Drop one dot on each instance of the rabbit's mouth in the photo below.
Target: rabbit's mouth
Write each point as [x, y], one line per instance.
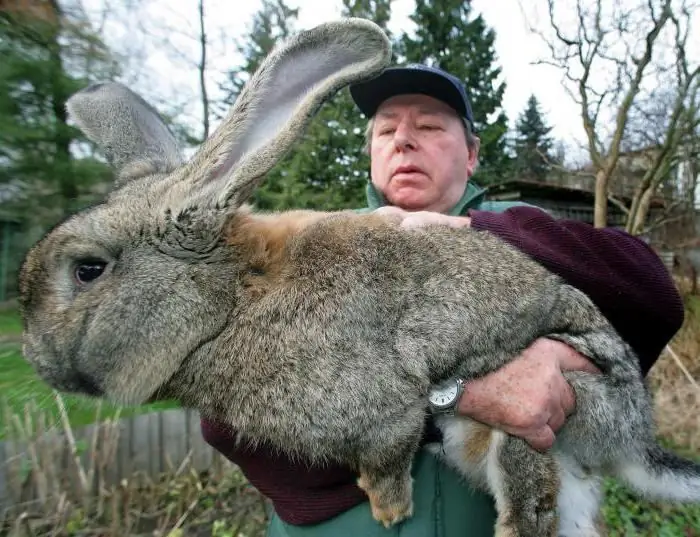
[85, 385]
[68, 381]
[62, 376]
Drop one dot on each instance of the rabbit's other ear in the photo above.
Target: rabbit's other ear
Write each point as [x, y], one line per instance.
[279, 101]
[128, 130]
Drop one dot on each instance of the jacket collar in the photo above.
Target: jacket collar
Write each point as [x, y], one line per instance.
[473, 197]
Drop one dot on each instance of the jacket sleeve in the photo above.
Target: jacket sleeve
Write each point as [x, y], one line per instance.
[619, 272]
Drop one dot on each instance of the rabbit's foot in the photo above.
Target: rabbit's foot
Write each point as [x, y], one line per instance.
[390, 496]
[532, 525]
[505, 528]
[525, 485]
[522, 516]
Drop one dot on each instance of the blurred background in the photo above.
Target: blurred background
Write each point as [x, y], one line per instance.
[590, 109]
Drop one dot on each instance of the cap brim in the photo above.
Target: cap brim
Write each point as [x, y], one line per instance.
[368, 95]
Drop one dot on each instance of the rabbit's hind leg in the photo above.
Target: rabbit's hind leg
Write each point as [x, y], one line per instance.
[525, 485]
[385, 468]
[579, 501]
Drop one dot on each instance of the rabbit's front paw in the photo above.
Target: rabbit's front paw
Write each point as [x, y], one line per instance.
[390, 497]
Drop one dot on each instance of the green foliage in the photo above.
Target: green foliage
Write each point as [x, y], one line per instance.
[10, 323]
[533, 145]
[626, 515]
[47, 167]
[449, 36]
[44, 62]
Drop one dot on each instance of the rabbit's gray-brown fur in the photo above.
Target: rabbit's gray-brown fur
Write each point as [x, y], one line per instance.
[322, 333]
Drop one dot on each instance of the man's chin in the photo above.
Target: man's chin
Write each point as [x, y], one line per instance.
[410, 199]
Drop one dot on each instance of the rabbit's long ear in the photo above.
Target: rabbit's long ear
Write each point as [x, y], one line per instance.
[279, 101]
[128, 130]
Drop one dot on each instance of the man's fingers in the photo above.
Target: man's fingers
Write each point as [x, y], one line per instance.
[391, 213]
[568, 399]
[541, 440]
[571, 360]
[557, 420]
[413, 221]
[389, 209]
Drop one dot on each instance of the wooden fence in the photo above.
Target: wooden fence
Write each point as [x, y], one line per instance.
[102, 455]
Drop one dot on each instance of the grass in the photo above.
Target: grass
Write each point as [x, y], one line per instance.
[625, 515]
[19, 386]
[10, 323]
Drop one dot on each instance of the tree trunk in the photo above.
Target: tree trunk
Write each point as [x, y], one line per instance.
[600, 213]
[636, 219]
[202, 68]
[62, 137]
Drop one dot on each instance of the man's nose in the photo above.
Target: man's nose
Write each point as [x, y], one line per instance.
[404, 139]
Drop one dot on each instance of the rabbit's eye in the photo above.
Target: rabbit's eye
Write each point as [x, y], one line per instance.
[89, 271]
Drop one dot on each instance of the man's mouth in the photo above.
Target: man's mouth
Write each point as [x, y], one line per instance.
[407, 169]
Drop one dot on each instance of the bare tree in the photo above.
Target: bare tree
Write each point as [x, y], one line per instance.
[612, 54]
[680, 125]
[187, 43]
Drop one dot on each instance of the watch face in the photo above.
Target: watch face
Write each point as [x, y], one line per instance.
[444, 396]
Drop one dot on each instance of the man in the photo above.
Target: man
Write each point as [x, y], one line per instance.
[423, 151]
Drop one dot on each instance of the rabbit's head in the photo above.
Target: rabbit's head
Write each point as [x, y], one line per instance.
[114, 298]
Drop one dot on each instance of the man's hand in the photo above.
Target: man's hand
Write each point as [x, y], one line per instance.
[529, 397]
[422, 218]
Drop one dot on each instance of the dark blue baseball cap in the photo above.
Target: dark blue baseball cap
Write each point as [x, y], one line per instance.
[412, 78]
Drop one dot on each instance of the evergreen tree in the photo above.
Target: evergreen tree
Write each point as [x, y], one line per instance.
[449, 37]
[48, 54]
[533, 146]
[47, 169]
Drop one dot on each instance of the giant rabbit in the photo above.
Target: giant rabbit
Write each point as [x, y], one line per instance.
[322, 333]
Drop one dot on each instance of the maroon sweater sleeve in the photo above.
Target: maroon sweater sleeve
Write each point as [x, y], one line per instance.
[619, 272]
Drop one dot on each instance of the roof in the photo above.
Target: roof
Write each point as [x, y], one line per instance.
[524, 188]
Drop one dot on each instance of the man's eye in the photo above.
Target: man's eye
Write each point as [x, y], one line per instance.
[429, 127]
[383, 132]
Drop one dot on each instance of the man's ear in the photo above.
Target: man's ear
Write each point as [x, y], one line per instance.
[473, 146]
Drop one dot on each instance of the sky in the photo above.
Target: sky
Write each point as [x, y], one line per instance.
[164, 71]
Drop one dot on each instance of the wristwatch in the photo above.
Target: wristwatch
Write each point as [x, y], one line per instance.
[443, 399]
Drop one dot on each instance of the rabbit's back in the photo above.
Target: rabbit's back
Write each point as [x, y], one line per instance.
[451, 291]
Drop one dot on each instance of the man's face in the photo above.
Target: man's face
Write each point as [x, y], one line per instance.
[419, 156]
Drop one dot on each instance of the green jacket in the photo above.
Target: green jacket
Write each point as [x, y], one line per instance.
[444, 505]
[474, 197]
